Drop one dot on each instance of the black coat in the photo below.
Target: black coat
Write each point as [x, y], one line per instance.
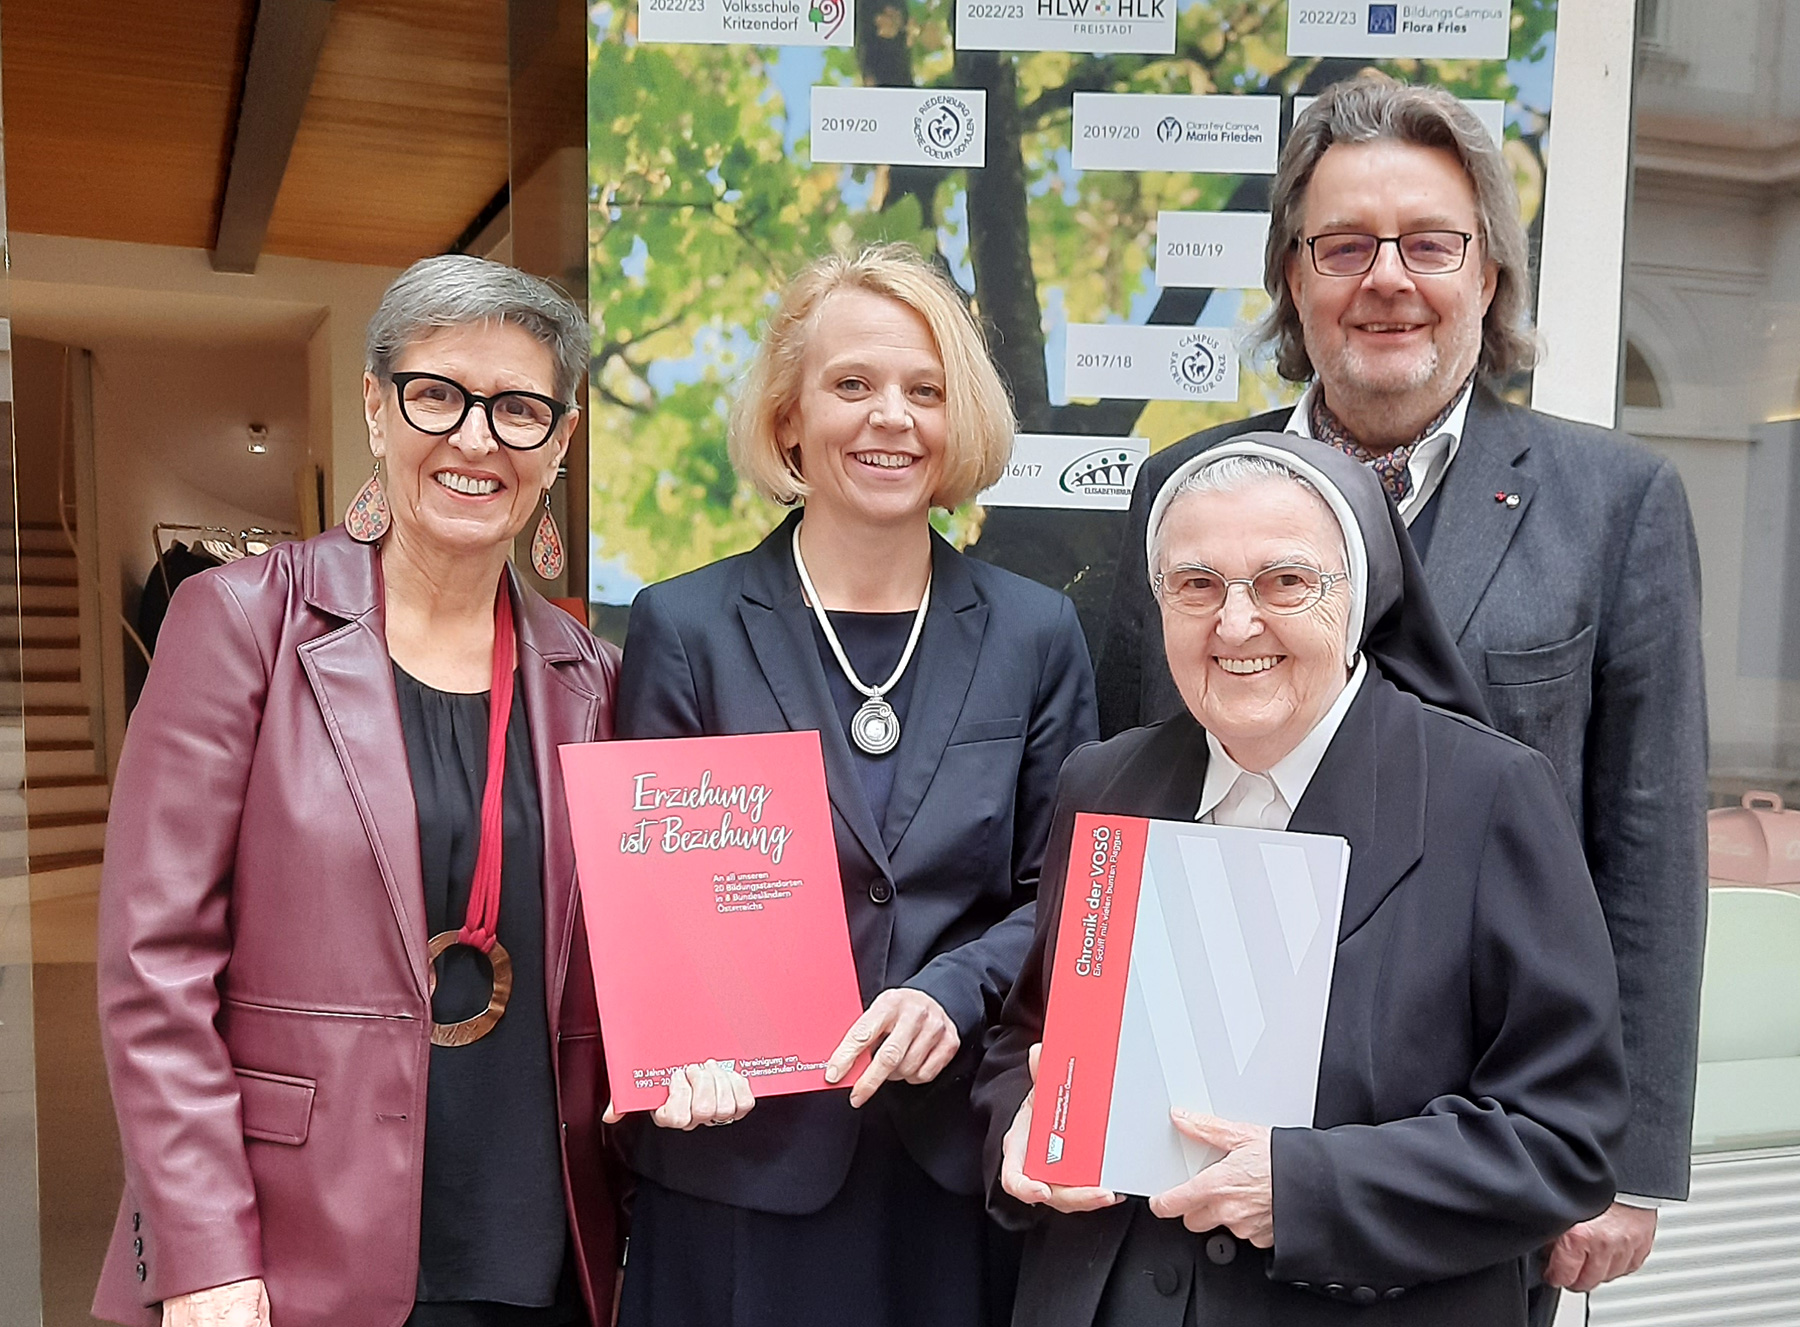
[1577, 610]
[940, 897]
[1474, 1018]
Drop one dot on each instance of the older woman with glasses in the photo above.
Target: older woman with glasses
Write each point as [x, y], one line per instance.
[345, 996]
[1472, 1076]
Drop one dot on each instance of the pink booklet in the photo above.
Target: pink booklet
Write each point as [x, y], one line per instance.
[714, 913]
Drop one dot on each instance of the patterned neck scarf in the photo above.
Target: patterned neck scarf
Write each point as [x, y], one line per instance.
[1390, 467]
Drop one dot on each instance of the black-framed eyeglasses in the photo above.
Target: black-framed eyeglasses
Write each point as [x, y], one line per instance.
[434, 404]
[1422, 252]
[1292, 587]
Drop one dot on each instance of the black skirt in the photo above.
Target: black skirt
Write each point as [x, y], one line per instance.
[892, 1249]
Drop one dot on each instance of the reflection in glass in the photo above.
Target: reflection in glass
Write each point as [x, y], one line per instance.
[1713, 339]
[20, 1296]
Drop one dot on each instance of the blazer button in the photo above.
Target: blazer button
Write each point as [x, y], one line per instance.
[1168, 1279]
[1364, 1295]
[1334, 1289]
[1393, 1292]
[881, 891]
[137, 1247]
[141, 1273]
[137, 1220]
[1220, 1249]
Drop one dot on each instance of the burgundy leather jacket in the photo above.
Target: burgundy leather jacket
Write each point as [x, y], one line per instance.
[262, 968]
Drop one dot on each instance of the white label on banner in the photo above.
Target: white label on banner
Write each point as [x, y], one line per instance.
[899, 126]
[1146, 27]
[1491, 113]
[748, 22]
[1069, 470]
[1223, 250]
[1132, 363]
[1409, 29]
[1152, 131]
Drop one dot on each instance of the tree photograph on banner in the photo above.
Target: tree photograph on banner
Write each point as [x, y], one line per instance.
[709, 186]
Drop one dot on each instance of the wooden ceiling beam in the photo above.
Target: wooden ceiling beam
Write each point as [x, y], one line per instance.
[278, 77]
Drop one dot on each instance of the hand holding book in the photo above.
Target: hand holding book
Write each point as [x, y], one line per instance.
[915, 1036]
[710, 1093]
[1062, 1198]
[1237, 1191]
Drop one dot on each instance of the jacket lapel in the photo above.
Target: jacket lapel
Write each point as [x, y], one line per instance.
[353, 681]
[1474, 527]
[779, 624]
[1370, 789]
[949, 648]
[1165, 781]
[558, 709]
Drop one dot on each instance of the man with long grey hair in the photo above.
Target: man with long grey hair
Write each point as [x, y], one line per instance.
[1560, 556]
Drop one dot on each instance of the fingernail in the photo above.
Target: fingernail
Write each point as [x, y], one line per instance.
[832, 1075]
[1181, 1113]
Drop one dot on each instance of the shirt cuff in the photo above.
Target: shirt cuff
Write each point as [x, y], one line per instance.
[1638, 1200]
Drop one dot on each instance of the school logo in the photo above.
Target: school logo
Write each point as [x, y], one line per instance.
[1198, 365]
[1106, 473]
[944, 127]
[826, 17]
[1384, 20]
[1168, 129]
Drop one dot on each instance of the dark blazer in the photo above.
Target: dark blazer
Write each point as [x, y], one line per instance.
[1578, 613]
[262, 974]
[940, 895]
[1473, 1017]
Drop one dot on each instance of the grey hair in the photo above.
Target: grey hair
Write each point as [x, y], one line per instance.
[455, 289]
[1372, 108]
[1229, 474]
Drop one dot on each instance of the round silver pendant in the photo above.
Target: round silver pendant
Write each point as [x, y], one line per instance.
[876, 728]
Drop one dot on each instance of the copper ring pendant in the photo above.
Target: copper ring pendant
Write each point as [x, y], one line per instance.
[470, 1029]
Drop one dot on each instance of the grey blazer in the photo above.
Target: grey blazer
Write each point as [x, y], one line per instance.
[1578, 612]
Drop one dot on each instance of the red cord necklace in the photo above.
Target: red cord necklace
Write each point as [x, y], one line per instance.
[481, 924]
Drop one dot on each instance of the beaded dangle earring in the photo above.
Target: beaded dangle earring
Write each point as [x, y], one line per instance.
[367, 518]
[547, 545]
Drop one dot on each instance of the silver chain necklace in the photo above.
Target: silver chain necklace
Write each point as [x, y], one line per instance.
[875, 727]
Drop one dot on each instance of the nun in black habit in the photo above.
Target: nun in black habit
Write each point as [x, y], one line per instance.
[1472, 1076]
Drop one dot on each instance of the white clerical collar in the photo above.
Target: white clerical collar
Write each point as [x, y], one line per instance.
[1294, 771]
[1430, 459]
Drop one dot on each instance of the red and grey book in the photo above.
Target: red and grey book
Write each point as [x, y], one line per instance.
[714, 911]
[1193, 968]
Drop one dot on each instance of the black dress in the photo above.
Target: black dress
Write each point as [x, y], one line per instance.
[494, 1249]
[893, 1248]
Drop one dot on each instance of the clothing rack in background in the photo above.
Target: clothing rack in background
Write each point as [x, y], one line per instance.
[206, 546]
[221, 542]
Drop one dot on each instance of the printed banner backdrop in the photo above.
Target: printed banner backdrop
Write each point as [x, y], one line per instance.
[1120, 299]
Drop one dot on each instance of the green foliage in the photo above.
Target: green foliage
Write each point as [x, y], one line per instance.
[698, 212]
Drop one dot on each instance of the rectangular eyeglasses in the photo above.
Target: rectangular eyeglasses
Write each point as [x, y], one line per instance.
[1422, 252]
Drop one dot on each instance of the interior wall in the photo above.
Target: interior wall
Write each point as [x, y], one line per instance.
[39, 423]
[184, 359]
[83, 291]
[171, 439]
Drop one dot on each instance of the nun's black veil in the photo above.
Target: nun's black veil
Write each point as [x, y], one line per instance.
[1399, 629]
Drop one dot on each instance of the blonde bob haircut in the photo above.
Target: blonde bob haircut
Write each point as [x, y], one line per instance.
[979, 413]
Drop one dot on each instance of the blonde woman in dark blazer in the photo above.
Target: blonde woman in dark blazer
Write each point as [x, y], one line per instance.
[871, 401]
